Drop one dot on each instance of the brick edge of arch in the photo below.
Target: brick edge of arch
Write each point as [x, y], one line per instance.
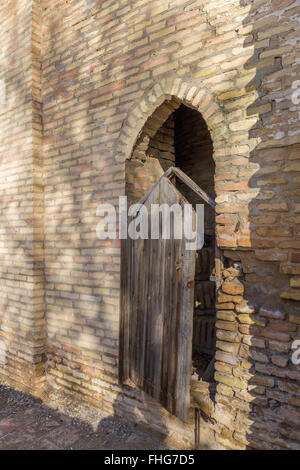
[195, 97]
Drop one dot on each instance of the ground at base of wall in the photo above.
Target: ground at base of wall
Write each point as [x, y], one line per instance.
[27, 423]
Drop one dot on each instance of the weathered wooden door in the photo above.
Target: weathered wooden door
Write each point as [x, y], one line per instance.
[157, 310]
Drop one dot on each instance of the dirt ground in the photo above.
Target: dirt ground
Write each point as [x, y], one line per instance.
[28, 424]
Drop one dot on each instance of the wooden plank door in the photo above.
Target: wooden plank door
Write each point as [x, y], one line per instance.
[157, 284]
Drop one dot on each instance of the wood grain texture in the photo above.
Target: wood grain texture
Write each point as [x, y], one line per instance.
[157, 311]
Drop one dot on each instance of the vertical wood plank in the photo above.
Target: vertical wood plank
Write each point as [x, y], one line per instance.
[157, 311]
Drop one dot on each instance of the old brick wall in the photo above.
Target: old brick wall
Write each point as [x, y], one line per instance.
[152, 155]
[106, 67]
[22, 324]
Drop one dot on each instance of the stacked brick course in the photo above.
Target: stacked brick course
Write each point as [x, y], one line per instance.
[83, 78]
[22, 323]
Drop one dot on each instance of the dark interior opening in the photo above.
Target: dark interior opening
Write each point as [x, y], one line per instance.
[184, 141]
[194, 156]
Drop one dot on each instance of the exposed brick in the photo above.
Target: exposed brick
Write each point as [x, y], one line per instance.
[90, 116]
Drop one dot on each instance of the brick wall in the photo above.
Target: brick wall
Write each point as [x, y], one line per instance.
[22, 332]
[106, 67]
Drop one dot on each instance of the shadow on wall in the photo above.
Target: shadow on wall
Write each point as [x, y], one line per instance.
[261, 411]
[81, 273]
[21, 289]
[257, 395]
[258, 383]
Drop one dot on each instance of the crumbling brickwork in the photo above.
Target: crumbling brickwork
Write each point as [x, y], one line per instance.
[83, 81]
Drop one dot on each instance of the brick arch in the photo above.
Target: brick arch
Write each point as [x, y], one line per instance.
[196, 97]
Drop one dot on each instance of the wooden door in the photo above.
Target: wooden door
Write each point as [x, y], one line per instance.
[157, 284]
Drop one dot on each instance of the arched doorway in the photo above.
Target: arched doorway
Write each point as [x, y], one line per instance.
[194, 156]
[177, 135]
